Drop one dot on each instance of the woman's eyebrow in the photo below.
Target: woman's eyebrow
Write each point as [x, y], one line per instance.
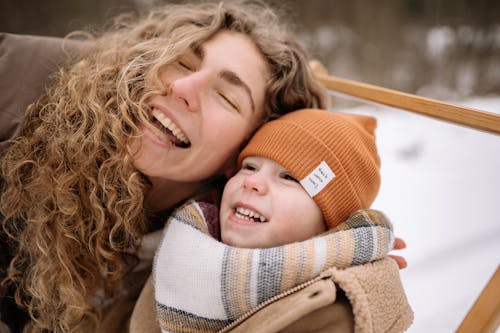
[233, 79]
[198, 51]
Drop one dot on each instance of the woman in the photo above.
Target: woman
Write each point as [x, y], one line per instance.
[150, 114]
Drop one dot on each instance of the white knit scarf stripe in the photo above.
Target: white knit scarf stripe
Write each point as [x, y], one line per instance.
[202, 285]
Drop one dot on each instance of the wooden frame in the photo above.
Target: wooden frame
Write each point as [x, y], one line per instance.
[477, 119]
[484, 316]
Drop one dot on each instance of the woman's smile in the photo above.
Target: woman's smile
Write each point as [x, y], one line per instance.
[167, 130]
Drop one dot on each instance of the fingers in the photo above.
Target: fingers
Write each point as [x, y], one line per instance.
[399, 244]
[400, 261]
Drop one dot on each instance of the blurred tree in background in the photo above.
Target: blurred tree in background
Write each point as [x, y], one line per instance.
[438, 48]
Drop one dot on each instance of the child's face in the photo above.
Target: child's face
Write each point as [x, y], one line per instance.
[263, 205]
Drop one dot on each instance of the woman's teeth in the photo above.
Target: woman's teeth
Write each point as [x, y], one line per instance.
[168, 124]
[249, 215]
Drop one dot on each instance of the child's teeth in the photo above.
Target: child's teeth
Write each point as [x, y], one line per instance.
[248, 214]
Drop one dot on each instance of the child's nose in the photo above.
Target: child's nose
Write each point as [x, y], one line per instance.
[256, 182]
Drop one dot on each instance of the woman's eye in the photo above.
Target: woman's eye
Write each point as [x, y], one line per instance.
[289, 177]
[185, 65]
[228, 101]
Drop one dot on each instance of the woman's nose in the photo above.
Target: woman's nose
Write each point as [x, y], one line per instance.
[256, 182]
[189, 89]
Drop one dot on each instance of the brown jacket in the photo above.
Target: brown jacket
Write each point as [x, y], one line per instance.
[26, 65]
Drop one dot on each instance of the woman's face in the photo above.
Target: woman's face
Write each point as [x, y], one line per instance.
[215, 101]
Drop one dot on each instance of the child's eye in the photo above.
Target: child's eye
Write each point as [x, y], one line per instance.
[289, 177]
[248, 167]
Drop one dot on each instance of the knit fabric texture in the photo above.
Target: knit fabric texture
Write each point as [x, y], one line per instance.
[301, 140]
[202, 285]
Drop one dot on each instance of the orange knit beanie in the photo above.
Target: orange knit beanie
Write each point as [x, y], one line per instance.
[332, 154]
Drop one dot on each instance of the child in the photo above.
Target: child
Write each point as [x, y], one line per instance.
[297, 206]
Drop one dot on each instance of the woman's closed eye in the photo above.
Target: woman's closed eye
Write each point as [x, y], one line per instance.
[228, 101]
[188, 62]
[185, 65]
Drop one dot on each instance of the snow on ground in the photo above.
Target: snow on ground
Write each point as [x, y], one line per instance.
[441, 189]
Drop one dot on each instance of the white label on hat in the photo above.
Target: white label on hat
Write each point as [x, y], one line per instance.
[314, 182]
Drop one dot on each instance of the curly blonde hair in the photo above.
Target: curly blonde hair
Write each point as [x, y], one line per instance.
[71, 200]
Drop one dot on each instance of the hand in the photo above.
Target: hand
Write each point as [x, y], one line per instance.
[399, 244]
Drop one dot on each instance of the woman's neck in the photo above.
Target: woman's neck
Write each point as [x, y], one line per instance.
[165, 194]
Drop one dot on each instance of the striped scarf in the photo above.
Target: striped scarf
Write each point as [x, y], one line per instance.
[202, 285]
